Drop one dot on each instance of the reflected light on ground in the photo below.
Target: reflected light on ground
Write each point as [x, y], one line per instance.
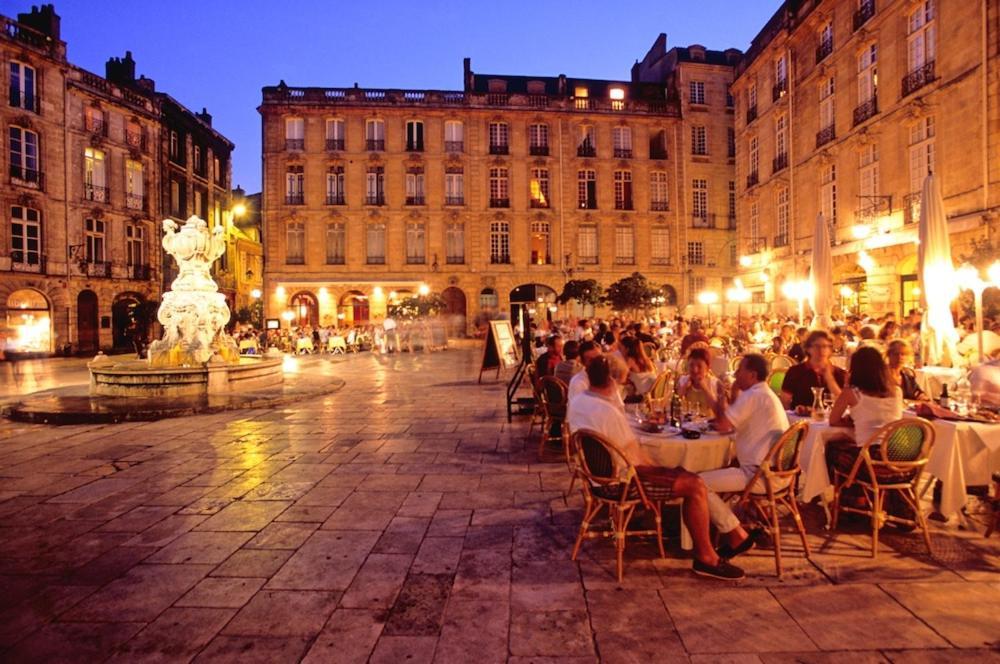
[290, 364]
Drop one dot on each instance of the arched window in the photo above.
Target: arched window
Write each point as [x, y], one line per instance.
[499, 242]
[295, 250]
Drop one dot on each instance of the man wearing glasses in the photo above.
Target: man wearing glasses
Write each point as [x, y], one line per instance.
[815, 371]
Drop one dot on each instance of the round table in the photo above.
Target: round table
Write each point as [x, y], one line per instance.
[931, 379]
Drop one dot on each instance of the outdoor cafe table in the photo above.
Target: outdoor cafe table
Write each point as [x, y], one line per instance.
[248, 345]
[305, 343]
[671, 450]
[964, 454]
[931, 379]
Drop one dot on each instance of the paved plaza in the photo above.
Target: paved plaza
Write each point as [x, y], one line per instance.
[402, 519]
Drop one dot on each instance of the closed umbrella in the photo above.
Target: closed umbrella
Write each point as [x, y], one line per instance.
[937, 280]
[821, 275]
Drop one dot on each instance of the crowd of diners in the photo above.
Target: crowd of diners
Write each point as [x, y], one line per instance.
[386, 336]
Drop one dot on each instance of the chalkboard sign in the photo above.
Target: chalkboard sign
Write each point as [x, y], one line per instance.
[500, 351]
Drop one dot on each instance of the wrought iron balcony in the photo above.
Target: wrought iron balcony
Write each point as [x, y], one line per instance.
[416, 260]
[825, 135]
[454, 146]
[377, 199]
[623, 153]
[659, 206]
[657, 152]
[753, 179]
[538, 150]
[295, 199]
[417, 146]
[27, 261]
[139, 272]
[705, 220]
[295, 144]
[335, 199]
[375, 260]
[755, 246]
[661, 260]
[864, 13]
[780, 162]
[866, 110]
[500, 259]
[499, 202]
[624, 260]
[588, 204]
[586, 150]
[779, 90]
[751, 113]
[97, 269]
[135, 201]
[95, 126]
[26, 177]
[536, 203]
[375, 144]
[415, 200]
[454, 260]
[454, 200]
[918, 78]
[334, 144]
[625, 204]
[824, 49]
[135, 139]
[781, 240]
[911, 208]
[499, 148]
[96, 193]
[335, 260]
[731, 222]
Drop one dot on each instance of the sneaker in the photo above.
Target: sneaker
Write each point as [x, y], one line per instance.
[723, 570]
[750, 542]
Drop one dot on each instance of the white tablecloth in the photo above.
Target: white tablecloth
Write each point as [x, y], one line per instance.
[305, 343]
[931, 379]
[710, 452]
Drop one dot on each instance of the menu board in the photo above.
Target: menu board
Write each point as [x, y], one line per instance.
[500, 351]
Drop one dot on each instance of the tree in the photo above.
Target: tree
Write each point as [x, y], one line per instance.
[583, 291]
[632, 293]
[983, 254]
[417, 306]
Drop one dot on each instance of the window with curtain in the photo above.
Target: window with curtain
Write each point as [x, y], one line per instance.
[335, 243]
[295, 243]
[375, 244]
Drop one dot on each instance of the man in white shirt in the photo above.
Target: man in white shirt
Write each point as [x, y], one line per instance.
[757, 419]
[579, 383]
[597, 409]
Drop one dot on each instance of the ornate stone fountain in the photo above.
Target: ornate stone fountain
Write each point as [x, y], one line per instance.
[195, 356]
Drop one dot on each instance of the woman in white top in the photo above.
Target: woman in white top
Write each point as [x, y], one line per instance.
[874, 400]
[698, 365]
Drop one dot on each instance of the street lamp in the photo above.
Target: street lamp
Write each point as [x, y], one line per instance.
[708, 298]
[798, 291]
[968, 278]
[739, 295]
[255, 293]
[424, 290]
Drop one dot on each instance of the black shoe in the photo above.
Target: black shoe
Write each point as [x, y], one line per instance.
[750, 542]
[723, 570]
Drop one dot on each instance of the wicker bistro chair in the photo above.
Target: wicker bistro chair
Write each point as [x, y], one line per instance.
[552, 393]
[538, 414]
[662, 387]
[776, 379]
[892, 461]
[776, 484]
[604, 489]
[782, 362]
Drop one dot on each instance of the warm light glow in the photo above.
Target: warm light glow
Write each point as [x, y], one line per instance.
[746, 261]
[866, 262]
[288, 315]
[765, 277]
[290, 364]
[617, 94]
[993, 273]
[917, 291]
[424, 290]
[392, 295]
[967, 278]
[846, 291]
[553, 308]
[797, 290]
[860, 231]
[255, 293]
[323, 292]
[280, 292]
[378, 292]
[737, 293]
[708, 297]
[239, 210]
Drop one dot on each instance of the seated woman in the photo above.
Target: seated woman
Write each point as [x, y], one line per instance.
[874, 401]
[641, 371]
[698, 363]
[900, 356]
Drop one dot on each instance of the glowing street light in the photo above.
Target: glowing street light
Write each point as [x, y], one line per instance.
[745, 261]
[424, 290]
[239, 210]
[968, 278]
[255, 293]
[799, 291]
[708, 298]
[739, 295]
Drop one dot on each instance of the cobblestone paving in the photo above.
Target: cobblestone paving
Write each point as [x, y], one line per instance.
[403, 520]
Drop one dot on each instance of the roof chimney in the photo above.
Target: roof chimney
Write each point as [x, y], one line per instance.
[205, 116]
[121, 71]
[43, 19]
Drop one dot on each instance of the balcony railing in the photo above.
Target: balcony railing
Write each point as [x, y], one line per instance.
[415, 147]
[865, 110]
[624, 204]
[96, 193]
[30, 261]
[864, 12]
[295, 199]
[499, 148]
[499, 202]
[753, 179]
[623, 153]
[588, 204]
[586, 151]
[659, 206]
[660, 260]
[657, 153]
[139, 272]
[97, 127]
[454, 146]
[918, 78]
[535, 203]
[825, 135]
[295, 144]
[454, 260]
[731, 222]
[97, 268]
[295, 260]
[755, 246]
[779, 90]
[624, 260]
[135, 201]
[706, 220]
[26, 177]
[375, 260]
[538, 150]
[588, 260]
[415, 200]
[375, 144]
[377, 199]
[135, 139]
[416, 260]
[335, 260]
[911, 208]
[781, 240]
[824, 49]
[334, 144]
[335, 199]
[780, 162]
[751, 113]
[500, 259]
[454, 200]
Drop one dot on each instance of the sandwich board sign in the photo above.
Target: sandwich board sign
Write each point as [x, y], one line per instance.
[500, 351]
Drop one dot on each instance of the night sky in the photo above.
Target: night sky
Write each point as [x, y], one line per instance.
[219, 54]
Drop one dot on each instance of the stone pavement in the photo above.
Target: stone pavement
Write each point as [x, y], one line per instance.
[402, 519]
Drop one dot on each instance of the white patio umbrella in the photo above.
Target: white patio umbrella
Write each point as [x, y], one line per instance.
[937, 278]
[821, 275]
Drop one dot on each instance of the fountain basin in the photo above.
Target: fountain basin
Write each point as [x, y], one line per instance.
[135, 378]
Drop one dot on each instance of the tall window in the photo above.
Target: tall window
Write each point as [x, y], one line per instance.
[622, 140]
[454, 238]
[699, 140]
[135, 245]
[174, 147]
[295, 185]
[868, 74]
[93, 121]
[752, 99]
[755, 243]
[696, 252]
[825, 47]
[623, 190]
[658, 145]
[753, 153]
[828, 193]
[336, 243]
[586, 189]
[94, 240]
[781, 205]
[499, 138]
[868, 175]
[199, 160]
[178, 199]
[414, 136]
[660, 245]
[25, 235]
[134, 185]
[780, 75]
[454, 186]
[538, 188]
[416, 243]
[538, 139]
[295, 133]
[335, 137]
[659, 191]
[586, 145]
[499, 242]
[22, 86]
[586, 244]
[24, 162]
[375, 186]
[375, 134]
[454, 136]
[295, 247]
[781, 140]
[335, 190]
[921, 152]
[95, 185]
[730, 142]
[624, 245]
[541, 253]
[696, 91]
[499, 188]
[696, 285]
[920, 44]
[415, 186]
[826, 107]
[732, 205]
[375, 244]
[699, 198]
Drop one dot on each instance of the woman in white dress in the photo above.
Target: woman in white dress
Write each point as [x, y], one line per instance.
[699, 364]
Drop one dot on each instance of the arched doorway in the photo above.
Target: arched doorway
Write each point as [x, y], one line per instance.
[123, 316]
[850, 288]
[669, 295]
[29, 322]
[454, 311]
[305, 308]
[353, 308]
[531, 301]
[87, 331]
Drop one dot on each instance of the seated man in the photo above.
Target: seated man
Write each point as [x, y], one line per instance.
[579, 383]
[598, 410]
[546, 363]
[816, 371]
[570, 366]
[757, 419]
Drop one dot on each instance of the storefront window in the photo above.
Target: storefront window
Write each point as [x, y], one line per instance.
[28, 322]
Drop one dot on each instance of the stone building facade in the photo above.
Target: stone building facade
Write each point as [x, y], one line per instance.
[493, 196]
[842, 108]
